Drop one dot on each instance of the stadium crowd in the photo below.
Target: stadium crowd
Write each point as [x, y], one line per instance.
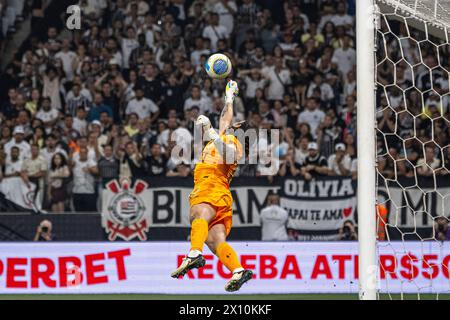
[11, 14]
[114, 98]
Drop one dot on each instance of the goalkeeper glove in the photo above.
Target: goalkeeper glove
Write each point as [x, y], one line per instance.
[208, 131]
[204, 122]
[231, 91]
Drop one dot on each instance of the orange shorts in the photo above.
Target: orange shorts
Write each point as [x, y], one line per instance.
[221, 201]
[224, 215]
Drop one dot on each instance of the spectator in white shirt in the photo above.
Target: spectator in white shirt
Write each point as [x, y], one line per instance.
[52, 86]
[143, 107]
[196, 99]
[34, 170]
[84, 170]
[426, 166]
[279, 77]
[341, 18]
[345, 56]
[141, 6]
[129, 43]
[326, 91]
[274, 220]
[349, 86]
[226, 9]
[13, 165]
[339, 164]
[253, 81]
[182, 137]
[19, 142]
[67, 57]
[79, 121]
[94, 7]
[312, 115]
[301, 149]
[86, 142]
[152, 30]
[326, 15]
[48, 115]
[52, 148]
[213, 31]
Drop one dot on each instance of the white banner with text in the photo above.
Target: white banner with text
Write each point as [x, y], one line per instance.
[283, 268]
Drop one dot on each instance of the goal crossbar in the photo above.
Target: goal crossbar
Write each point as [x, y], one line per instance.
[434, 12]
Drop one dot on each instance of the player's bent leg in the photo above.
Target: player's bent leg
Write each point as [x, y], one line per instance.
[226, 254]
[216, 235]
[200, 216]
[199, 234]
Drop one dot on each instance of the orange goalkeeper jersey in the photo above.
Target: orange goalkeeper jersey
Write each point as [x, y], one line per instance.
[212, 175]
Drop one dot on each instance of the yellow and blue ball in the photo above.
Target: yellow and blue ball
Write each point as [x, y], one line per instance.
[218, 66]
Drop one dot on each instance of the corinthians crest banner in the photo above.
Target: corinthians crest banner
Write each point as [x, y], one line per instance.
[124, 212]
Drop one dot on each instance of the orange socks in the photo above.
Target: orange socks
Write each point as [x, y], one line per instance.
[199, 234]
[228, 256]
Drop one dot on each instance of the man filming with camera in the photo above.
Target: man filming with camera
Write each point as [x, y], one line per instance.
[347, 232]
[44, 232]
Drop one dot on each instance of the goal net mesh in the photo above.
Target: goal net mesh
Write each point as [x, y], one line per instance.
[413, 146]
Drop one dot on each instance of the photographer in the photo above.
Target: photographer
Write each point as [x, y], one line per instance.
[440, 229]
[347, 232]
[44, 232]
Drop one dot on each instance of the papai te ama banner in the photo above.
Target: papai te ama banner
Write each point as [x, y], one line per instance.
[318, 208]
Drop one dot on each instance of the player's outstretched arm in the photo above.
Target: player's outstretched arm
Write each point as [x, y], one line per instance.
[225, 149]
[226, 117]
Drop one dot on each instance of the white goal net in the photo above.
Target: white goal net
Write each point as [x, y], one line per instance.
[413, 147]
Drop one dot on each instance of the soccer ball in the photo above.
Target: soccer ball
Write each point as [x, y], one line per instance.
[218, 66]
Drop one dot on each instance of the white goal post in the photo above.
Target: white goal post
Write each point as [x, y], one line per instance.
[410, 40]
[365, 62]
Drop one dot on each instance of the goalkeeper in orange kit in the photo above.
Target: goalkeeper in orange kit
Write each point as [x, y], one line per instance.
[211, 201]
